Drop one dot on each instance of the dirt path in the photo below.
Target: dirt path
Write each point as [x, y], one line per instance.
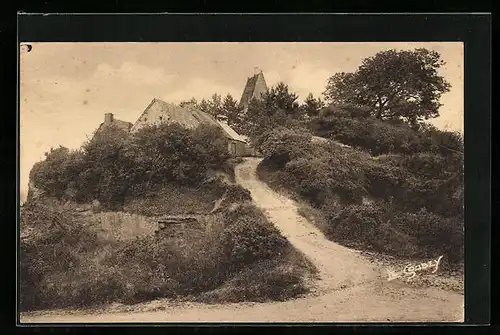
[351, 288]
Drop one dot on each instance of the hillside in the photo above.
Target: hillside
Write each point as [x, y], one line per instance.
[403, 200]
[91, 231]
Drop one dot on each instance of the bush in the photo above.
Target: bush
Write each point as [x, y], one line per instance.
[353, 126]
[276, 279]
[435, 234]
[115, 164]
[57, 271]
[248, 236]
[384, 228]
[425, 181]
[57, 171]
[316, 171]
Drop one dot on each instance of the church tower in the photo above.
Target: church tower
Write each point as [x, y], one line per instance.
[254, 88]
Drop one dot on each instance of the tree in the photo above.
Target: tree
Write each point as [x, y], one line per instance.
[231, 109]
[215, 105]
[394, 84]
[312, 106]
[279, 97]
[204, 106]
[277, 107]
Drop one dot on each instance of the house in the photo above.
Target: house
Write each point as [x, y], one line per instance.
[159, 111]
[254, 88]
[110, 121]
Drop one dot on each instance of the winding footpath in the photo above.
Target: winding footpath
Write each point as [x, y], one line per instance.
[349, 288]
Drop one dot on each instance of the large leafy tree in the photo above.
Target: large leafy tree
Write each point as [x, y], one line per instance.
[394, 84]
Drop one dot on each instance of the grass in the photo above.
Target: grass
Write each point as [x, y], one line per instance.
[237, 256]
[414, 203]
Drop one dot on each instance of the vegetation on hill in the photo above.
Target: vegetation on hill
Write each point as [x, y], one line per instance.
[393, 84]
[407, 205]
[354, 126]
[398, 188]
[115, 165]
[158, 170]
[64, 263]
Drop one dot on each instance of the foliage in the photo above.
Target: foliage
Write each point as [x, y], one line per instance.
[382, 227]
[277, 107]
[73, 267]
[233, 111]
[312, 106]
[316, 171]
[394, 84]
[115, 163]
[331, 177]
[249, 236]
[58, 169]
[352, 126]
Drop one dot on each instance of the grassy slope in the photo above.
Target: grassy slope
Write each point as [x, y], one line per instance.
[346, 188]
[226, 261]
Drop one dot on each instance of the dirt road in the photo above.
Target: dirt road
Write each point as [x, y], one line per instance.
[351, 288]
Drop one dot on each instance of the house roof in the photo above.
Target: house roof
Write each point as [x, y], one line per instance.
[230, 132]
[122, 125]
[187, 116]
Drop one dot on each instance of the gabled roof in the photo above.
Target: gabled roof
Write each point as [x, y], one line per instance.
[230, 132]
[188, 116]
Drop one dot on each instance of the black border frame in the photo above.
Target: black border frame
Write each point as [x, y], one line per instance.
[473, 29]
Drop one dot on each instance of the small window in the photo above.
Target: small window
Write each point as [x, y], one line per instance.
[161, 118]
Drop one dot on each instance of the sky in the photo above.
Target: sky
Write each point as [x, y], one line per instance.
[66, 88]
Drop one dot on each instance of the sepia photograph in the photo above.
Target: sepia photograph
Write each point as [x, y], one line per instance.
[233, 182]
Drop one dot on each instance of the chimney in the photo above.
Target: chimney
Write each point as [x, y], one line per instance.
[256, 70]
[108, 117]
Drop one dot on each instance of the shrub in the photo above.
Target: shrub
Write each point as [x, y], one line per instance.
[60, 168]
[248, 236]
[91, 272]
[276, 279]
[426, 181]
[351, 125]
[53, 247]
[435, 234]
[383, 227]
[237, 193]
[115, 164]
[280, 145]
